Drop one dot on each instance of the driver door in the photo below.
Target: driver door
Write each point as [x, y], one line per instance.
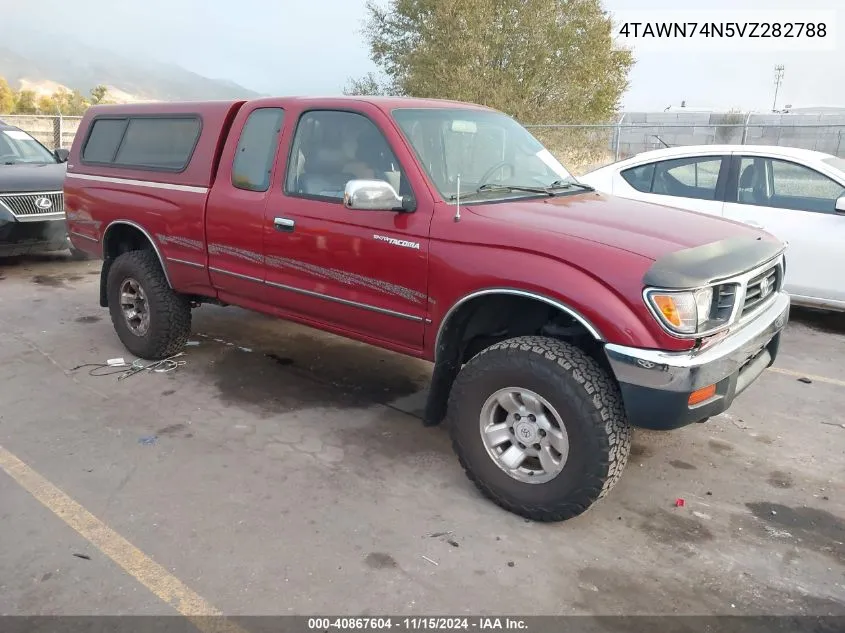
[359, 272]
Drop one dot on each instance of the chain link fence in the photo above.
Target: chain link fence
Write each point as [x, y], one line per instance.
[53, 131]
[585, 147]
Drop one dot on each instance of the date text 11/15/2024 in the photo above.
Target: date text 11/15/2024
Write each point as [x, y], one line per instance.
[416, 623]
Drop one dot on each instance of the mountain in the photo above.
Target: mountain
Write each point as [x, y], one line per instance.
[37, 58]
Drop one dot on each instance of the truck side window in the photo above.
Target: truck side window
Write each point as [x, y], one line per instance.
[331, 148]
[256, 149]
[103, 139]
[156, 143]
[159, 143]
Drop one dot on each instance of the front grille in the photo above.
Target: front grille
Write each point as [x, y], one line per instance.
[33, 203]
[724, 302]
[761, 288]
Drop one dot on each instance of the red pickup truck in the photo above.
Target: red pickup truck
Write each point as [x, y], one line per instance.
[555, 317]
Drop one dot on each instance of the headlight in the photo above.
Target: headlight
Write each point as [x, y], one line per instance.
[682, 312]
[693, 312]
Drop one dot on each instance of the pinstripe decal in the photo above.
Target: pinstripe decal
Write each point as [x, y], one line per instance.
[195, 245]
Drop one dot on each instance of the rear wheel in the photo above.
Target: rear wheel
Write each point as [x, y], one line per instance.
[151, 320]
[539, 427]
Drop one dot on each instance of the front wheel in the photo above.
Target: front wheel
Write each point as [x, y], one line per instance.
[151, 320]
[539, 427]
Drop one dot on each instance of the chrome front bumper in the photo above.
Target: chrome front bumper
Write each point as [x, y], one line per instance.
[656, 384]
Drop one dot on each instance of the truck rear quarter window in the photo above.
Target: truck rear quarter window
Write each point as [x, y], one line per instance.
[256, 149]
[155, 143]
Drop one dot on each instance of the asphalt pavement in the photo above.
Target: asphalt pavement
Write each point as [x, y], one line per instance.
[281, 470]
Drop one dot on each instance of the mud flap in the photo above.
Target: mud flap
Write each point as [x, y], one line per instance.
[442, 379]
[104, 275]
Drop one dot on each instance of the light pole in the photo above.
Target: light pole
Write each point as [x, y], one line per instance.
[778, 81]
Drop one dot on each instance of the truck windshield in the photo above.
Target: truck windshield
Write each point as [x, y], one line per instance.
[493, 155]
[19, 147]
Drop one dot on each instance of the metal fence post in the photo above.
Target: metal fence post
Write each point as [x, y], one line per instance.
[745, 129]
[60, 144]
[618, 135]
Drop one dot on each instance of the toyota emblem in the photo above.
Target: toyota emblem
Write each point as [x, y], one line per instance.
[765, 287]
[43, 203]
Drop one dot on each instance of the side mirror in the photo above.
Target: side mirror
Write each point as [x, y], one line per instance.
[371, 195]
[840, 205]
[61, 154]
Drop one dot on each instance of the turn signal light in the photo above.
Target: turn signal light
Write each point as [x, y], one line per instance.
[700, 395]
[667, 307]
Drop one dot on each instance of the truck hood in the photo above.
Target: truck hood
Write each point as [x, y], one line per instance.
[648, 230]
[32, 178]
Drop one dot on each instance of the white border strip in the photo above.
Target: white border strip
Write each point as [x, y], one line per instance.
[139, 183]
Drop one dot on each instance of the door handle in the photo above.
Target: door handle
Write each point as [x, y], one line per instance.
[286, 225]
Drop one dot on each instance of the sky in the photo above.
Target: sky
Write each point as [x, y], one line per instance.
[313, 46]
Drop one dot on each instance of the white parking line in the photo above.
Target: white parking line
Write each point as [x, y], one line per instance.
[136, 563]
[813, 377]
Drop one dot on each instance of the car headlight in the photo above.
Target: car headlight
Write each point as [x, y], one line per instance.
[693, 312]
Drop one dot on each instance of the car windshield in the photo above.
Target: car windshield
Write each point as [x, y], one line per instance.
[836, 162]
[19, 147]
[492, 155]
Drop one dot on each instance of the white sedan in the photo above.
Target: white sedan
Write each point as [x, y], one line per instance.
[797, 195]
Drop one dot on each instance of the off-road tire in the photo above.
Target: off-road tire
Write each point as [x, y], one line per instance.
[589, 403]
[170, 313]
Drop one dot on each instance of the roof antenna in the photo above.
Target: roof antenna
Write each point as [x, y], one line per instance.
[458, 201]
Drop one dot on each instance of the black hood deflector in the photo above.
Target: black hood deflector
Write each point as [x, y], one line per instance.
[709, 263]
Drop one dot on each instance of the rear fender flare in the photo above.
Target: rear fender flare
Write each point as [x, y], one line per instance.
[107, 261]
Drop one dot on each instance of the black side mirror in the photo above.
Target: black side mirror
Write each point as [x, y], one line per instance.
[61, 155]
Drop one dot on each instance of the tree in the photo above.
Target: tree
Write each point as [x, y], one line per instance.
[72, 103]
[537, 60]
[66, 102]
[63, 101]
[730, 126]
[7, 97]
[26, 102]
[47, 105]
[98, 93]
[369, 84]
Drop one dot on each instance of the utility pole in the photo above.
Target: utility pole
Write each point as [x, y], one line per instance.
[778, 82]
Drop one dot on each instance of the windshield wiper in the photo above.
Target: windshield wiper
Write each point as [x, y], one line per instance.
[494, 187]
[567, 184]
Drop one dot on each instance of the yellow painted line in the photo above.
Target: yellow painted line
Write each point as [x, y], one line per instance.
[144, 569]
[814, 378]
